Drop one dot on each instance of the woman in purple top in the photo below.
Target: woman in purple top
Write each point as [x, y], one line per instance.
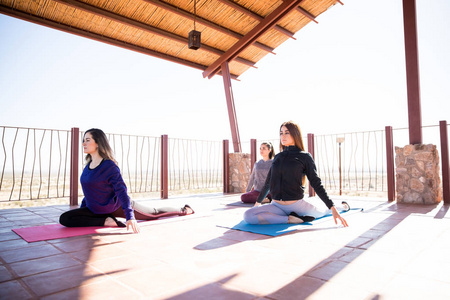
[105, 192]
[259, 173]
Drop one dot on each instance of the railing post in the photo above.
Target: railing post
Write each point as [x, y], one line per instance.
[74, 155]
[252, 153]
[164, 166]
[226, 166]
[445, 162]
[312, 193]
[390, 163]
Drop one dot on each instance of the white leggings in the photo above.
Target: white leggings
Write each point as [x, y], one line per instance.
[275, 213]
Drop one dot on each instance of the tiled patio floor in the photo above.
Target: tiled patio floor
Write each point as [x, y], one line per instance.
[390, 251]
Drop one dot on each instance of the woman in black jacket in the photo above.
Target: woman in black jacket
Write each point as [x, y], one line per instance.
[286, 183]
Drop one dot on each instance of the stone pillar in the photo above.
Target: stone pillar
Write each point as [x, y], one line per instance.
[417, 174]
[240, 171]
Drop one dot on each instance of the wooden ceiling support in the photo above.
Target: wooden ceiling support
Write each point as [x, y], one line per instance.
[200, 20]
[99, 38]
[142, 26]
[231, 108]
[306, 14]
[270, 21]
[412, 72]
[256, 16]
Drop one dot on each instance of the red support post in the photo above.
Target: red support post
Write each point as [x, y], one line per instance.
[253, 154]
[390, 163]
[226, 166]
[445, 162]
[231, 108]
[312, 193]
[412, 71]
[74, 157]
[164, 166]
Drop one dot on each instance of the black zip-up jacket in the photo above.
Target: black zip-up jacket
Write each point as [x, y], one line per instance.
[284, 179]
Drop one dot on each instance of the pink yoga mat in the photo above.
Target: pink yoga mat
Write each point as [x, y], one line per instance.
[57, 231]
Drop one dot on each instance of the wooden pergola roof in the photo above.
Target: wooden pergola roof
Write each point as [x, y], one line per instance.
[239, 32]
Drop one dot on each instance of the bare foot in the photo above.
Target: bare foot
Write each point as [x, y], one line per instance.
[294, 220]
[109, 222]
[188, 210]
[266, 200]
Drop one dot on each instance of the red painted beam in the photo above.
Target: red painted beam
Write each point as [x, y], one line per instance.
[270, 21]
[180, 12]
[412, 72]
[306, 14]
[231, 108]
[254, 15]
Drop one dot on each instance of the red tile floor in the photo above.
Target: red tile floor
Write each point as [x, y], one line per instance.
[390, 251]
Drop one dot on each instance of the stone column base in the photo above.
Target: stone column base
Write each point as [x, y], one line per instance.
[239, 172]
[417, 174]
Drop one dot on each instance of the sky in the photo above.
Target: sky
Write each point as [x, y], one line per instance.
[344, 74]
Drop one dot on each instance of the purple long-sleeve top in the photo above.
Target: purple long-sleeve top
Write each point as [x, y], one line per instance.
[104, 189]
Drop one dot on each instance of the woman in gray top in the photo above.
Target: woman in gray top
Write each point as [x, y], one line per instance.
[259, 173]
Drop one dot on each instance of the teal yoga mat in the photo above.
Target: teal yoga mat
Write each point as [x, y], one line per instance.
[279, 229]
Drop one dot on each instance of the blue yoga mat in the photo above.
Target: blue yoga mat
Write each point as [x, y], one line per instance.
[278, 229]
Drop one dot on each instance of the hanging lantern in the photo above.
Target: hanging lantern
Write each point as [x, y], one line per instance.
[194, 39]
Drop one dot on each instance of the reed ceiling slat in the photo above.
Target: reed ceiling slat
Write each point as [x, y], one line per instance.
[162, 26]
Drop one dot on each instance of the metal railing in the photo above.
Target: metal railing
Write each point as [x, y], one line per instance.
[138, 158]
[195, 165]
[35, 164]
[352, 163]
[357, 163]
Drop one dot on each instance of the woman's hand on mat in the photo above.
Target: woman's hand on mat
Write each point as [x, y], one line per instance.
[134, 225]
[257, 204]
[337, 216]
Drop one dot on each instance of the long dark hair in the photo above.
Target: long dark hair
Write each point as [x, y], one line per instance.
[270, 147]
[104, 149]
[295, 132]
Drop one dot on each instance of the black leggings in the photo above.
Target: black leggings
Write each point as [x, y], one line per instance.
[83, 217]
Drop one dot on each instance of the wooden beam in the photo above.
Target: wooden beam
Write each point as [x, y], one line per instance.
[142, 26]
[307, 14]
[231, 108]
[252, 36]
[254, 15]
[204, 22]
[412, 72]
[99, 38]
